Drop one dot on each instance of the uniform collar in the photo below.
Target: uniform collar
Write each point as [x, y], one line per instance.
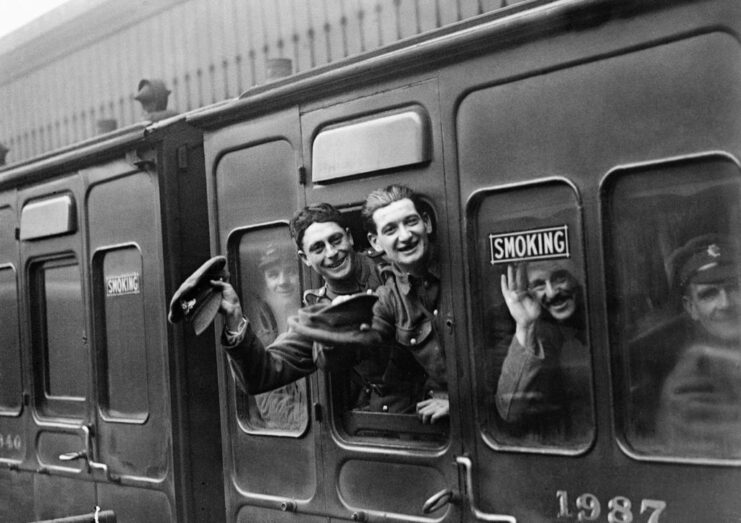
[357, 282]
[405, 280]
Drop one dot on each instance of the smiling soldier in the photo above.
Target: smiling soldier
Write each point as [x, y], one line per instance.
[407, 307]
[326, 245]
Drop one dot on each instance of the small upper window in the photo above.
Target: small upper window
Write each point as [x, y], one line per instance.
[673, 275]
[48, 217]
[392, 139]
[530, 319]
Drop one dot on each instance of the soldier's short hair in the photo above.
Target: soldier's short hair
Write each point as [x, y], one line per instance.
[386, 196]
[315, 213]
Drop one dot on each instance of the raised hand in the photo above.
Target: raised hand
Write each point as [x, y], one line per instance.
[525, 310]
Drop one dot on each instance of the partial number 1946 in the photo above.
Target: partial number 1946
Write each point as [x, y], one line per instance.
[620, 510]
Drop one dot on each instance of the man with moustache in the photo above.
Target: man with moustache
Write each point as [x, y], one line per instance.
[699, 399]
[543, 388]
[326, 245]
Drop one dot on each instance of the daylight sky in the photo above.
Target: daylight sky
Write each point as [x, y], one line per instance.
[15, 13]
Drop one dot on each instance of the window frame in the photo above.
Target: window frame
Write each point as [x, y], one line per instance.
[619, 371]
[236, 269]
[486, 429]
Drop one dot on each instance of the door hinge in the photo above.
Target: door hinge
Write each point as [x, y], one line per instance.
[318, 414]
[182, 158]
[302, 175]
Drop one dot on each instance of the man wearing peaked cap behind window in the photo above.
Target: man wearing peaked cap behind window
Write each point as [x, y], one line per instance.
[699, 402]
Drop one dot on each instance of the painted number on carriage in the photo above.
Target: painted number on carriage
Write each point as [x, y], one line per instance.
[10, 442]
[619, 509]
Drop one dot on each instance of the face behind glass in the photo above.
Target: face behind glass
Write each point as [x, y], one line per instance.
[328, 249]
[555, 287]
[716, 307]
[402, 234]
[281, 279]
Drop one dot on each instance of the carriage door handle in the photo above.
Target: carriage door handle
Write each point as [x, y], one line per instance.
[465, 462]
[439, 500]
[87, 454]
[84, 453]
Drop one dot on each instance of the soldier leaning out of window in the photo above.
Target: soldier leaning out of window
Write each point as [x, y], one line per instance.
[324, 244]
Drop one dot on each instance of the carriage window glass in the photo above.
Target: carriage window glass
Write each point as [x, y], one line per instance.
[530, 319]
[122, 333]
[60, 344]
[270, 292]
[673, 275]
[10, 359]
[375, 391]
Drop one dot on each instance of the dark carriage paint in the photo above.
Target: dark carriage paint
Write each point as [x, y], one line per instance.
[561, 95]
[135, 227]
[503, 98]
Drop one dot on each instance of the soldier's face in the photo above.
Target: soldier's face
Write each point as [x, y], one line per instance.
[553, 284]
[716, 307]
[402, 234]
[282, 279]
[328, 249]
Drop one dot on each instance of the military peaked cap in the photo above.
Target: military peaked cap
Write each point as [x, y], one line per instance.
[710, 258]
[345, 322]
[197, 301]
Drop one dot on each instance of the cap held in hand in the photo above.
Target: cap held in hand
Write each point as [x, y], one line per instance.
[197, 301]
[344, 322]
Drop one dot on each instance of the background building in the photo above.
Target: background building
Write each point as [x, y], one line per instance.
[75, 71]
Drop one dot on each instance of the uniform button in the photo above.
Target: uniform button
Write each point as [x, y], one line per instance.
[434, 313]
[385, 408]
[413, 341]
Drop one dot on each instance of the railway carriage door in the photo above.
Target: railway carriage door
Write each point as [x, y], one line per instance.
[54, 271]
[132, 423]
[381, 461]
[578, 183]
[271, 458]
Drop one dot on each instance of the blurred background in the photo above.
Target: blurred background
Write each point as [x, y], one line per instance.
[72, 69]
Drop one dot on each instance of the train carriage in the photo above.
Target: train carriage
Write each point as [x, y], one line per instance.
[603, 133]
[106, 411]
[600, 137]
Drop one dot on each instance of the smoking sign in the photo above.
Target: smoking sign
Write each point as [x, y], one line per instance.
[534, 244]
[123, 284]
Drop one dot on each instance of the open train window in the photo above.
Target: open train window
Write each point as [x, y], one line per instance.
[376, 396]
[122, 344]
[270, 291]
[532, 352]
[61, 354]
[675, 309]
[10, 358]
